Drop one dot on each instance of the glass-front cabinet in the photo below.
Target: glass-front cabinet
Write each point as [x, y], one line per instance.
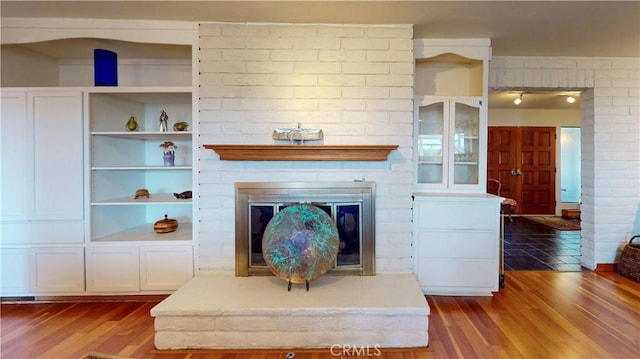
[451, 210]
[431, 128]
[448, 143]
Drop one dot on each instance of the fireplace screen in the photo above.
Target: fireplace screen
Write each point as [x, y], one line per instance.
[345, 215]
[349, 204]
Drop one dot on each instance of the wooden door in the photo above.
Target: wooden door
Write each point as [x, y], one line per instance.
[502, 156]
[523, 159]
[537, 175]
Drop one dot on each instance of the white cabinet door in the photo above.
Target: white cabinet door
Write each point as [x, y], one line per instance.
[450, 144]
[57, 270]
[457, 243]
[113, 269]
[165, 267]
[132, 269]
[57, 155]
[42, 155]
[27, 271]
[16, 156]
[14, 271]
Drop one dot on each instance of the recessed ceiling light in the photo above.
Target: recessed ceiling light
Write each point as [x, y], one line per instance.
[571, 99]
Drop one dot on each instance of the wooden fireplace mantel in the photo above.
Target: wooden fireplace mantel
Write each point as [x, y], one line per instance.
[302, 152]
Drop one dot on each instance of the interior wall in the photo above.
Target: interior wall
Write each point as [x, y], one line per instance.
[130, 72]
[537, 117]
[20, 67]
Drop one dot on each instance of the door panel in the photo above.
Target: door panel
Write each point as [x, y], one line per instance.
[57, 155]
[523, 159]
[15, 133]
[502, 150]
[537, 164]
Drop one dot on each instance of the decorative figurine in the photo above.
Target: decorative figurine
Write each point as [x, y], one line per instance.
[143, 192]
[180, 126]
[164, 118]
[132, 125]
[168, 153]
[183, 195]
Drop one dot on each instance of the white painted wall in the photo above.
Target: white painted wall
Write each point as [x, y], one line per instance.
[34, 69]
[357, 87]
[538, 117]
[610, 138]
[355, 82]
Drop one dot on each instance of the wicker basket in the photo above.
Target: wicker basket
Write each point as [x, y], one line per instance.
[629, 265]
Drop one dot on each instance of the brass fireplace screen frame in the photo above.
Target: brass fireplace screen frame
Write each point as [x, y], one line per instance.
[361, 192]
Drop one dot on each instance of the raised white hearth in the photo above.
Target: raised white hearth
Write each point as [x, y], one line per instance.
[227, 312]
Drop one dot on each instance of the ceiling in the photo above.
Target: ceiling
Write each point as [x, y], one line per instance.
[534, 99]
[516, 28]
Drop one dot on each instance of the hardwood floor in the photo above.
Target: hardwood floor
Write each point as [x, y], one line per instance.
[539, 314]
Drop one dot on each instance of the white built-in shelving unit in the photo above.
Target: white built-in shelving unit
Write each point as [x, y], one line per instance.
[104, 243]
[456, 224]
[124, 161]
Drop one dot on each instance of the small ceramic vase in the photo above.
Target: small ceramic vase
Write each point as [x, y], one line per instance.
[180, 126]
[168, 159]
[132, 125]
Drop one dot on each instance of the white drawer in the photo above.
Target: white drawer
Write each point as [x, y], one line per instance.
[456, 244]
[458, 215]
[436, 274]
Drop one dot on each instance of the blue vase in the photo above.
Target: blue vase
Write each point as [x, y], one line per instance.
[105, 66]
[168, 159]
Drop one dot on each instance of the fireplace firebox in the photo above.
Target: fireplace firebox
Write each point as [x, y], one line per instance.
[349, 204]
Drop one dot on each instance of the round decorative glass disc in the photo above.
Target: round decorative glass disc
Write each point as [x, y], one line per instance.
[300, 243]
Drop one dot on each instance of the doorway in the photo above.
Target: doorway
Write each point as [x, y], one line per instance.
[523, 160]
[529, 245]
[570, 160]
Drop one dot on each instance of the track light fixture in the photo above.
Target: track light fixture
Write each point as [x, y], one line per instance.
[518, 100]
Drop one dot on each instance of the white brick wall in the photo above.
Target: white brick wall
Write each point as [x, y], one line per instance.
[354, 82]
[610, 138]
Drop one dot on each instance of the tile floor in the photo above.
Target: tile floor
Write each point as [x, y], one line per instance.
[533, 246]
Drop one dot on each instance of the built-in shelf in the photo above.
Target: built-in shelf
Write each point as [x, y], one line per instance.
[145, 233]
[302, 152]
[145, 135]
[153, 199]
[140, 168]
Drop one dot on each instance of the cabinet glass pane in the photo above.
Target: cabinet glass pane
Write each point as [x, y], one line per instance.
[466, 144]
[430, 142]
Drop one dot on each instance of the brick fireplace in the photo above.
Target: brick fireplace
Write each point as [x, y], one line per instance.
[355, 82]
[255, 310]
